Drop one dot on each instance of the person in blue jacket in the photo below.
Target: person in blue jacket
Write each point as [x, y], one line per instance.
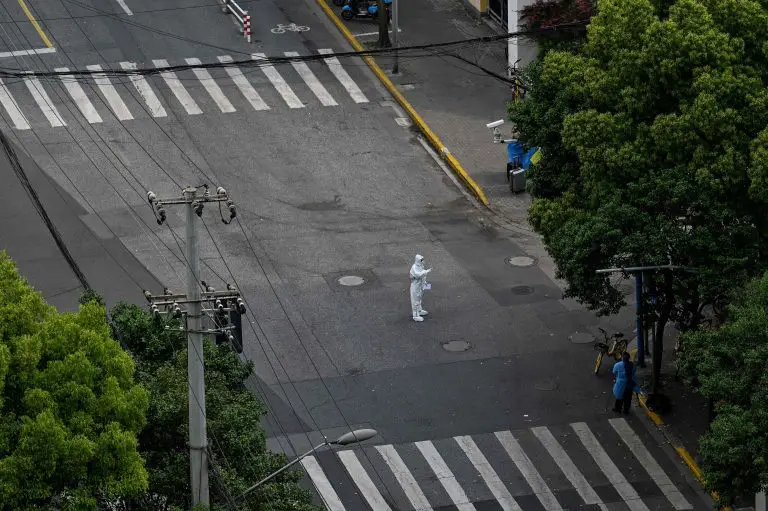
[625, 383]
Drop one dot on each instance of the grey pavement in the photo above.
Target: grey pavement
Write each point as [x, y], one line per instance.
[324, 191]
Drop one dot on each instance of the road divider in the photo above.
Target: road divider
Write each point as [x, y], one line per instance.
[433, 139]
[241, 15]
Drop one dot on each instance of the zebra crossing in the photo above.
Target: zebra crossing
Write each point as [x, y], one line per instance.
[607, 466]
[55, 101]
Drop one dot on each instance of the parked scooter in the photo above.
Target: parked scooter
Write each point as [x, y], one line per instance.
[367, 9]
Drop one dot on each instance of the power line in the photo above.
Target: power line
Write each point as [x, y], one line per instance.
[277, 60]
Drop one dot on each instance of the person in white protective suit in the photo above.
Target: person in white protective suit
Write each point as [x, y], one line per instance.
[418, 282]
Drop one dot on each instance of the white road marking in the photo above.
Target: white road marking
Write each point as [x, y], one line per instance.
[78, 96]
[311, 80]
[145, 91]
[375, 33]
[10, 105]
[489, 475]
[24, 53]
[363, 481]
[404, 477]
[211, 86]
[110, 93]
[529, 472]
[44, 102]
[125, 7]
[244, 85]
[177, 88]
[341, 74]
[446, 477]
[565, 463]
[278, 82]
[617, 479]
[649, 464]
[323, 486]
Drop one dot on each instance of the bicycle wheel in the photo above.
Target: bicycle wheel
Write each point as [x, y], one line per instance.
[278, 31]
[302, 28]
[599, 362]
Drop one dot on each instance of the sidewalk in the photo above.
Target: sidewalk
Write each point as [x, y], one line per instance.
[456, 99]
[109, 268]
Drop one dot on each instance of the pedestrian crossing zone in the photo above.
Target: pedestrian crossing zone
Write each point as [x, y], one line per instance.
[68, 97]
[612, 465]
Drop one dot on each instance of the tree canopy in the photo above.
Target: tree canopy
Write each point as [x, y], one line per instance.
[654, 136]
[238, 454]
[729, 365]
[70, 410]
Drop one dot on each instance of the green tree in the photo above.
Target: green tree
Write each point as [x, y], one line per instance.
[729, 365]
[655, 152]
[70, 410]
[239, 456]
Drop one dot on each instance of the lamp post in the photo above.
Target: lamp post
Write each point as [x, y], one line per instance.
[353, 437]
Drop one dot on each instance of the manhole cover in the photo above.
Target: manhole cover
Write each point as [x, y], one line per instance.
[546, 386]
[581, 338]
[351, 280]
[456, 346]
[521, 261]
[522, 290]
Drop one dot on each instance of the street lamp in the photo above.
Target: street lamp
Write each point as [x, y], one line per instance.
[353, 437]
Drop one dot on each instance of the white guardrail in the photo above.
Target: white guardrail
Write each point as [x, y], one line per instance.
[241, 15]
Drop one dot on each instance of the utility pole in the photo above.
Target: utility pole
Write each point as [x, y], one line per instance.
[395, 30]
[383, 24]
[194, 299]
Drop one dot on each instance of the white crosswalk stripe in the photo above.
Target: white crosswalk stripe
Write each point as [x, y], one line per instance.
[109, 92]
[244, 85]
[311, 80]
[574, 475]
[526, 467]
[341, 74]
[323, 485]
[17, 117]
[44, 101]
[608, 467]
[154, 106]
[211, 86]
[363, 481]
[404, 477]
[544, 467]
[282, 87]
[651, 466]
[489, 475]
[78, 96]
[177, 88]
[445, 476]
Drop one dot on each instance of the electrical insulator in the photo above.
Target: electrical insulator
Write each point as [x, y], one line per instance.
[207, 193]
[161, 214]
[221, 191]
[241, 306]
[232, 210]
[155, 311]
[147, 295]
[219, 306]
[151, 197]
[198, 207]
[176, 310]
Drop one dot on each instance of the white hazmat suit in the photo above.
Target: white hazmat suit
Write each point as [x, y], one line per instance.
[418, 282]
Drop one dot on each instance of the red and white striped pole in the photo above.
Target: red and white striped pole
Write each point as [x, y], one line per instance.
[247, 27]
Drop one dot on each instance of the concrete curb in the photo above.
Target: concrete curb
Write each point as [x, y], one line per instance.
[679, 449]
[443, 151]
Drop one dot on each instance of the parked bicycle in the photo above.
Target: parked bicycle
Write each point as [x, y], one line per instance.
[613, 345]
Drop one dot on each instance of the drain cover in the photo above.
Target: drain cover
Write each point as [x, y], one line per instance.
[456, 346]
[351, 280]
[522, 290]
[521, 261]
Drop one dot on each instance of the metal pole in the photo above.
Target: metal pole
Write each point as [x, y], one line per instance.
[640, 327]
[282, 469]
[198, 441]
[395, 30]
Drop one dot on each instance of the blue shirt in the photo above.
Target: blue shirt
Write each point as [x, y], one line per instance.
[621, 379]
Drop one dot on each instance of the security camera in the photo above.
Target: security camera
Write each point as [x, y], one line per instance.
[494, 124]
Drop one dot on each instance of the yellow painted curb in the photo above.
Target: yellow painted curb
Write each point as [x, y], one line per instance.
[680, 450]
[470, 183]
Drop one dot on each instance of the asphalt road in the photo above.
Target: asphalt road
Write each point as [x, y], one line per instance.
[329, 184]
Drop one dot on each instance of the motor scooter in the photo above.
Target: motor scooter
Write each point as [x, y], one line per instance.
[367, 9]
